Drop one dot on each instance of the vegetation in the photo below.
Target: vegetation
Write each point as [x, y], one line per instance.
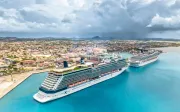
[75, 69]
[12, 56]
[79, 68]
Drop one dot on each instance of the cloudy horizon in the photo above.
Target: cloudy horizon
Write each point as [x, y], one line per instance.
[115, 18]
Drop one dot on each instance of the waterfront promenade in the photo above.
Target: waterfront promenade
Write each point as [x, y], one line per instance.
[6, 85]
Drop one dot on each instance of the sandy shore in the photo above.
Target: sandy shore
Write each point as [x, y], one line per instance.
[6, 85]
[169, 49]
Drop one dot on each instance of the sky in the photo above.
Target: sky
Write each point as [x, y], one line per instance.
[86, 18]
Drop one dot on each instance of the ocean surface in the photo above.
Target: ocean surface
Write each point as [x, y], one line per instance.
[153, 88]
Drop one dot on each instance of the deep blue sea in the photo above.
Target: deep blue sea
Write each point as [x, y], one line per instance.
[153, 88]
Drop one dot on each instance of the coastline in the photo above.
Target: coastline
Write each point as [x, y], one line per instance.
[168, 49]
[6, 85]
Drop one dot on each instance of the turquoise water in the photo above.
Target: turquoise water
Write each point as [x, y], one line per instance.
[125, 55]
[153, 88]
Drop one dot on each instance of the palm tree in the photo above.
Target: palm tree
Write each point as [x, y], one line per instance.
[11, 69]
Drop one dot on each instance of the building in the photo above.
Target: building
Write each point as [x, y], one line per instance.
[28, 63]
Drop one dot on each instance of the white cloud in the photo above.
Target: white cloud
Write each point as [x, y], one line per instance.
[89, 16]
[165, 22]
[143, 2]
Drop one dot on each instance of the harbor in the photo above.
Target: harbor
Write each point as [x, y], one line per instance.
[89, 56]
[49, 85]
[134, 89]
[10, 82]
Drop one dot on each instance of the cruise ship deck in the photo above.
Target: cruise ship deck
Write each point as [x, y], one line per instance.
[61, 84]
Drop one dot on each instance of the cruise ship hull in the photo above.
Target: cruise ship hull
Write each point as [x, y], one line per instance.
[140, 64]
[44, 97]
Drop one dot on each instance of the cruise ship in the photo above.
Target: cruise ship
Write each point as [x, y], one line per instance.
[144, 59]
[57, 85]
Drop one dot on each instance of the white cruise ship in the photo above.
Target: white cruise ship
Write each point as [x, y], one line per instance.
[144, 59]
[57, 85]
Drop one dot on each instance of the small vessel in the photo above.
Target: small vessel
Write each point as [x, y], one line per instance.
[144, 59]
[57, 85]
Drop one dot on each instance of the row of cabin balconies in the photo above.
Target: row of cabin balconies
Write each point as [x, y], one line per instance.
[145, 57]
[58, 82]
[77, 77]
[50, 81]
[82, 75]
[52, 77]
[66, 81]
[47, 83]
[149, 57]
[79, 72]
[46, 87]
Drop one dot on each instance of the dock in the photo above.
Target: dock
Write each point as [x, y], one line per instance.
[19, 78]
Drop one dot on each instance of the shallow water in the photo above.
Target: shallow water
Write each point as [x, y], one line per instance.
[126, 55]
[153, 88]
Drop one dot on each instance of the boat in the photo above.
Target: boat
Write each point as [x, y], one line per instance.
[57, 85]
[144, 59]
